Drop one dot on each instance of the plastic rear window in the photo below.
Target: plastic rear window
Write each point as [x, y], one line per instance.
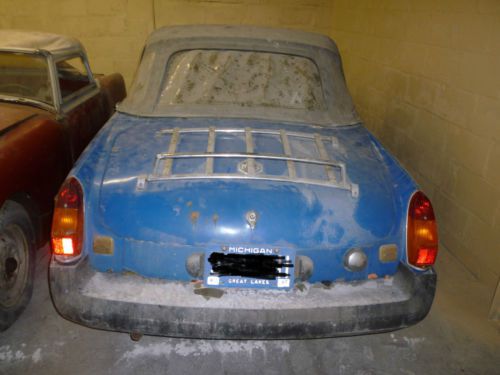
[242, 78]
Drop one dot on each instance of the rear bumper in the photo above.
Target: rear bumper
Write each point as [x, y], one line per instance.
[130, 303]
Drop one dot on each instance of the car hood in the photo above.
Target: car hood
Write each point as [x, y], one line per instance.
[197, 212]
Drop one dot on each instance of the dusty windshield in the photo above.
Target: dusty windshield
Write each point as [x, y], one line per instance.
[242, 78]
[25, 76]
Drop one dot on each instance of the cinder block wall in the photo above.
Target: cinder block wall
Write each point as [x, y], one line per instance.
[310, 15]
[114, 31]
[425, 76]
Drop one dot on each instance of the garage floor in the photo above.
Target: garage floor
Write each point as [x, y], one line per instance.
[455, 338]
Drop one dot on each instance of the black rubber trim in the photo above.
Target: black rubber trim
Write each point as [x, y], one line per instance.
[66, 281]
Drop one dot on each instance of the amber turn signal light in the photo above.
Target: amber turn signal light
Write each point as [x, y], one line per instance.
[422, 232]
[67, 223]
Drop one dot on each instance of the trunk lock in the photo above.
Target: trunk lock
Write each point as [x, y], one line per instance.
[251, 217]
[243, 167]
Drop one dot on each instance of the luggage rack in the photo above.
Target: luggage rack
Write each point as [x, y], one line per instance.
[249, 168]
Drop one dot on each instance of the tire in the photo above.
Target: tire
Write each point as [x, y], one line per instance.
[17, 262]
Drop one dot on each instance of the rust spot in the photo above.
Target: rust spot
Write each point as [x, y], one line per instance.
[300, 287]
[215, 218]
[135, 335]
[327, 284]
[195, 215]
[189, 204]
[372, 276]
[208, 293]
[197, 284]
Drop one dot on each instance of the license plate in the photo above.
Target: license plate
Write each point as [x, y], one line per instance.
[249, 267]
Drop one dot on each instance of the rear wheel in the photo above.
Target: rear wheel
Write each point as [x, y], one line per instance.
[17, 262]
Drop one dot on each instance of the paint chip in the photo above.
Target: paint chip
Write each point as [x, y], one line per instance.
[195, 215]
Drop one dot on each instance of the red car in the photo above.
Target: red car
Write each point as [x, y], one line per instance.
[51, 106]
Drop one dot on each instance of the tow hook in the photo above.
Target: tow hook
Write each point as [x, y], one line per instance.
[135, 335]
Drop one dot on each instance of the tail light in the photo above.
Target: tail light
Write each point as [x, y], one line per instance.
[422, 232]
[67, 224]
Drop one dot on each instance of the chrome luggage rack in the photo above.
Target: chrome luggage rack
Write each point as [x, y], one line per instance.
[249, 168]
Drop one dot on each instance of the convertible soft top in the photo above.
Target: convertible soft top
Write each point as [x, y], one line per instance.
[35, 41]
[171, 79]
[242, 32]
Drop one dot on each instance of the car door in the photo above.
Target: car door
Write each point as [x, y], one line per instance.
[83, 112]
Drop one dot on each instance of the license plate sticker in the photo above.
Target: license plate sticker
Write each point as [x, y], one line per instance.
[249, 267]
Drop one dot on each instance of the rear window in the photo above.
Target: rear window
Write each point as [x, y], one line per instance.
[242, 78]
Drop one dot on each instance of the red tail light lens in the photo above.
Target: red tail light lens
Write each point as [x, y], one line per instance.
[422, 232]
[67, 224]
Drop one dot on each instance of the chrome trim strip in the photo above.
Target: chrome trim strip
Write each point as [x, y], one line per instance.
[324, 155]
[325, 183]
[56, 92]
[243, 155]
[34, 103]
[249, 145]
[240, 130]
[209, 166]
[167, 168]
[288, 152]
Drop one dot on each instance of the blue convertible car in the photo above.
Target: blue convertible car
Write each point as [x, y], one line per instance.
[236, 194]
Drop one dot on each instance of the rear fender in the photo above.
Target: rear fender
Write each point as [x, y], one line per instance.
[404, 187]
[89, 170]
[113, 89]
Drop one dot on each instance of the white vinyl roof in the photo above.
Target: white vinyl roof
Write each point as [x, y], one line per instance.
[32, 41]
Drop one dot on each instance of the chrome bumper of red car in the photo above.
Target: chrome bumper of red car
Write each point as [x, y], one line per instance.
[130, 303]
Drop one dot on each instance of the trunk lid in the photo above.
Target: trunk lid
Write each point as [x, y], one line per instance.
[311, 189]
[13, 114]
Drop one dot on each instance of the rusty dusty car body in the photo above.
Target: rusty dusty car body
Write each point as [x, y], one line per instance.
[236, 194]
[51, 106]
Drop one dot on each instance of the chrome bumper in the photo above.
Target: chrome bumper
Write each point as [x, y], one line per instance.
[131, 303]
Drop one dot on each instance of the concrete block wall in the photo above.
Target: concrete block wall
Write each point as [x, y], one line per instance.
[425, 76]
[114, 31]
[311, 15]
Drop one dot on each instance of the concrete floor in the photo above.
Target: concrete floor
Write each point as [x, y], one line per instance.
[455, 338]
